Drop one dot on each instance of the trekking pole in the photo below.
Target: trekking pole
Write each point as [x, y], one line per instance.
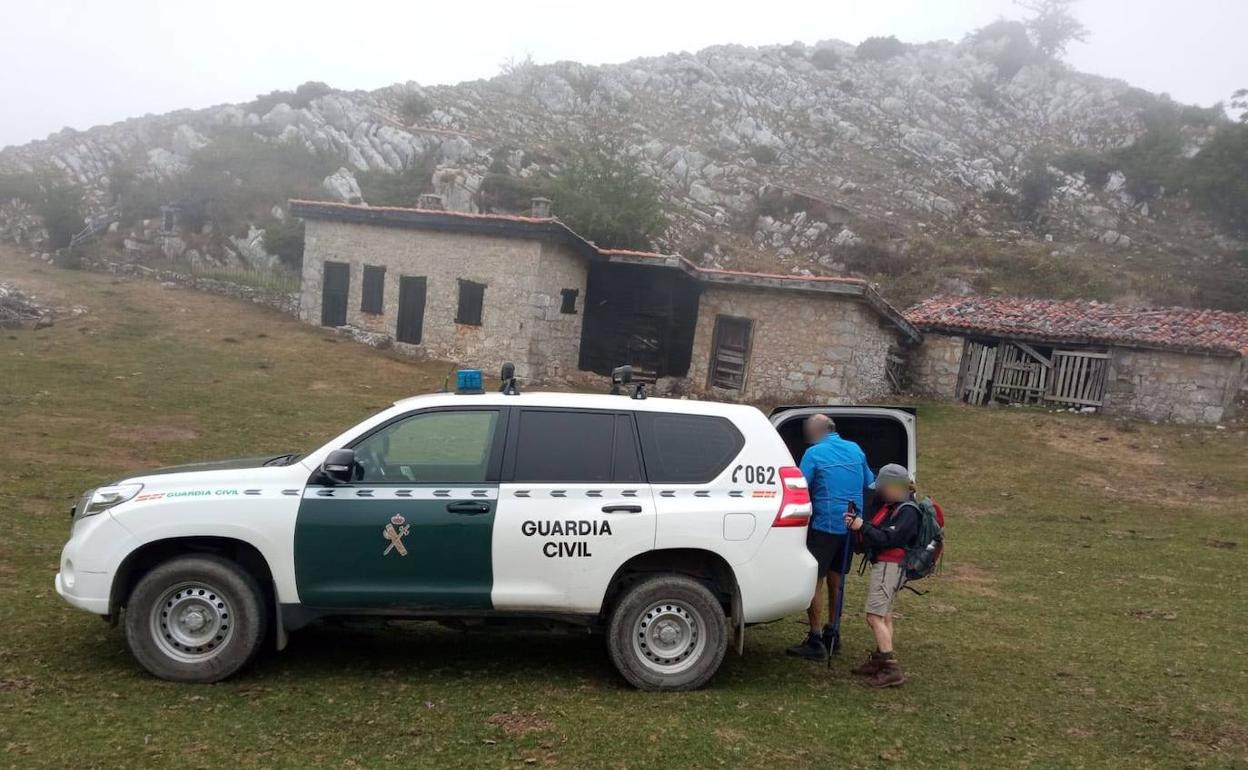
[840, 593]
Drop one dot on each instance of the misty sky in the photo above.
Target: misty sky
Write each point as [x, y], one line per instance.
[79, 64]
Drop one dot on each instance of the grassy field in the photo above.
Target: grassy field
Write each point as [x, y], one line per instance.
[1093, 610]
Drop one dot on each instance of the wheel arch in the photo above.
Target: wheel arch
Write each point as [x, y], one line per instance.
[707, 567]
[143, 559]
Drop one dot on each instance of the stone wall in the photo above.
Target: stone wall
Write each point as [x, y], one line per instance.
[805, 347]
[1179, 387]
[934, 366]
[521, 320]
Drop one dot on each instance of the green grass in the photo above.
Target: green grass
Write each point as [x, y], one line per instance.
[1087, 615]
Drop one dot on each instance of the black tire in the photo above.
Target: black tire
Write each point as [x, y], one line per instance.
[223, 613]
[658, 605]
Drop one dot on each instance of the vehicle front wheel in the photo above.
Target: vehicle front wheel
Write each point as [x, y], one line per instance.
[195, 619]
[668, 633]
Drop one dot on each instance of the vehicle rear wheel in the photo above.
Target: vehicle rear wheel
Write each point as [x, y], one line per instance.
[195, 619]
[668, 633]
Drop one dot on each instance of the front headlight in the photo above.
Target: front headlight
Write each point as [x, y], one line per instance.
[99, 500]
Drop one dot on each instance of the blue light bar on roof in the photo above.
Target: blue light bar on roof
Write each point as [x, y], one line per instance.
[468, 381]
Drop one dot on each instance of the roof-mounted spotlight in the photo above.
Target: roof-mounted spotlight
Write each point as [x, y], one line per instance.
[508, 377]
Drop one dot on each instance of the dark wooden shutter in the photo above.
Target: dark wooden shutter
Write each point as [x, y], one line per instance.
[471, 298]
[730, 352]
[568, 304]
[373, 289]
[411, 321]
[335, 284]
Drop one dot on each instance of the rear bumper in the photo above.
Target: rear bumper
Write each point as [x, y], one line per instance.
[780, 579]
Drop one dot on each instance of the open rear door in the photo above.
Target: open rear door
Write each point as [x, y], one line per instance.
[886, 434]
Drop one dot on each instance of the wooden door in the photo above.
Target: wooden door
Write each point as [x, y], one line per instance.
[1078, 377]
[335, 285]
[411, 322]
[975, 379]
[730, 352]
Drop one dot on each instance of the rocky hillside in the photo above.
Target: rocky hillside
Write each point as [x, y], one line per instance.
[919, 169]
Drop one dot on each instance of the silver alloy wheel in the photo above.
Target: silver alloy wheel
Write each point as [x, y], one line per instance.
[669, 637]
[192, 622]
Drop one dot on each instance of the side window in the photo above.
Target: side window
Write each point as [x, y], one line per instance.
[687, 448]
[568, 446]
[430, 448]
[567, 301]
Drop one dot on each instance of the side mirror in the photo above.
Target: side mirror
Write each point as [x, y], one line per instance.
[339, 466]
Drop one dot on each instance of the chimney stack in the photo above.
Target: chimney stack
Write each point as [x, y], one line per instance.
[430, 201]
[541, 208]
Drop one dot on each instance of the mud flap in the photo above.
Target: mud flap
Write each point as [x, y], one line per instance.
[279, 630]
[738, 617]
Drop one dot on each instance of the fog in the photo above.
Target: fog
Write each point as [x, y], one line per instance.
[83, 63]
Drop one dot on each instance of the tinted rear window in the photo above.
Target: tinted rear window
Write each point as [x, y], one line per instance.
[687, 448]
[564, 446]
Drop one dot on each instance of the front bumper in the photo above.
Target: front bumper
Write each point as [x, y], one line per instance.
[89, 561]
[85, 590]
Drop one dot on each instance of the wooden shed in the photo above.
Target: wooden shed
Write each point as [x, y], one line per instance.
[1159, 363]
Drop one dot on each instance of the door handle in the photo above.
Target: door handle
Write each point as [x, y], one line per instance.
[468, 507]
[621, 509]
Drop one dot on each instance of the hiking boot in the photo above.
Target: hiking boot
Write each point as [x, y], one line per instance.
[869, 667]
[811, 649]
[889, 675]
[832, 640]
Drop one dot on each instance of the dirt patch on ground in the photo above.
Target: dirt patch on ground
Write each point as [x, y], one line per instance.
[516, 723]
[1229, 738]
[1126, 462]
[970, 578]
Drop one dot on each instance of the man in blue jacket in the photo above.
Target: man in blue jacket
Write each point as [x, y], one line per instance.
[836, 471]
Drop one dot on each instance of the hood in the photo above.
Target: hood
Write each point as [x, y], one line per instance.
[237, 463]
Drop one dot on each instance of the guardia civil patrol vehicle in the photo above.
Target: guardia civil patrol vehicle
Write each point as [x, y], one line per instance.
[666, 525]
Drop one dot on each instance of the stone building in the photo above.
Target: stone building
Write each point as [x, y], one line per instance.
[1174, 364]
[484, 289]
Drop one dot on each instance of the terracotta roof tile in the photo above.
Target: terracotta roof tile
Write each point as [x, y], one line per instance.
[1077, 321]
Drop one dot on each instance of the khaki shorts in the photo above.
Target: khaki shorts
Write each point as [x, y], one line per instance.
[883, 582]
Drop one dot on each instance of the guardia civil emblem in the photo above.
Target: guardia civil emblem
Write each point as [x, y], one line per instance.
[395, 531]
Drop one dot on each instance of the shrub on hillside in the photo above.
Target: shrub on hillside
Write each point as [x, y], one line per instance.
[239, 177]
[1034, 190]
[825, 58]
[61, 210]
[299, 98]
[764, 154]
[880, 48]
[284, 238]
[380, 188]
[414, 107]
[1094, 166]
[1218, 177]
[507, 193]
[604, 195]
[1005, 44]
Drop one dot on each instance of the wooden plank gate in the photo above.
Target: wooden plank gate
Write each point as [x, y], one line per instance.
[1078, 378]
[1015, 372]
[978, 365]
